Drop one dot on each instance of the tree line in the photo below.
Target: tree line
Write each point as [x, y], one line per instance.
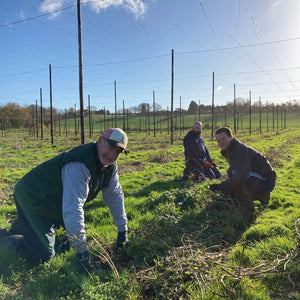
[17, 116]
[238, 114]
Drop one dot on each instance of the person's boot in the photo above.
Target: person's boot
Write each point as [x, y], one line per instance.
[186, 174]
[264, 199]
[245, 200]
[3, 234]
[12, 242]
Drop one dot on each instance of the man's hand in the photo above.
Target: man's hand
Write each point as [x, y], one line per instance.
[122, 238]
[85, 264]
[213, 164]
[214, 187]
[207, 165]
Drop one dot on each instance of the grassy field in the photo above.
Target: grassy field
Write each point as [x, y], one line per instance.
[184, 243]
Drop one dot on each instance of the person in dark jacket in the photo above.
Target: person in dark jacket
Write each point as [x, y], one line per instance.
[54, 193]
[198, 161]
[250, 175]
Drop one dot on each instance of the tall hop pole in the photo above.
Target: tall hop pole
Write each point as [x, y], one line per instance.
[80, 72]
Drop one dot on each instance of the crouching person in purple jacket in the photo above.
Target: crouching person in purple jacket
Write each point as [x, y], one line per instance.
[55, 192]
[198, 162]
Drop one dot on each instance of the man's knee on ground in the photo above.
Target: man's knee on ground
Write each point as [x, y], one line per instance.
[18, 245]
[40, 257]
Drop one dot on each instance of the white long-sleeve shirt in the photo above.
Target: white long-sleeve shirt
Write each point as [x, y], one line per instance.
[75, 179]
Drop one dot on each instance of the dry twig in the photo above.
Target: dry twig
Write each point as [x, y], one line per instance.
[195, 260]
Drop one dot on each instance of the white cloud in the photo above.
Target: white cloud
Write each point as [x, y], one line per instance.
[51, 5]
[137, 7]
[21, 15]
[276, 3]
[219, 88]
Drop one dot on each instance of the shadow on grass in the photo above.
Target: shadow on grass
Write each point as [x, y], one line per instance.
[161, 186]
[10, 264]
[178, 214]
[219, 224]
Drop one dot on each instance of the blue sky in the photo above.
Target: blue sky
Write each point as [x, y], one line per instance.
[252, 44]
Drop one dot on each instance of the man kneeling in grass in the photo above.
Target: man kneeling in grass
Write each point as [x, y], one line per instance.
[198, 162]
[54, 194]
[250, 175]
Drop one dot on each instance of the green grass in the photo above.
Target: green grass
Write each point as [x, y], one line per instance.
[184, 243]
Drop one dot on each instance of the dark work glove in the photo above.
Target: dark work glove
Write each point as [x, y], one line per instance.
[213, 164]
[214, 187]
[85, 264]
[122, 238]
[207, 165]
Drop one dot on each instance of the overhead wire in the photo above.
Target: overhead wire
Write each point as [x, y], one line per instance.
[46, 14]
[36, 17]
[277, 59]
[157, 56]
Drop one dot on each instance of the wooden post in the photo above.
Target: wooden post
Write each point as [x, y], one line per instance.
[154, 133]
[90, 119]
[127, 120]
[123, 115]
[180, 129]
[148, 115]
[51, 109]
[277, 114]
[116, 120]
[140, 128]
[250, 111]
[80, 72]
[172, 93]
[59, 130]
[281, 114]
[273, 117]
[168, 119]
[212, 105]
[104, 119]
[2, 129]
[75, 120]
[66, 125]
[267, 108]
[41, 99]
[100, 121]
[259, 114]
[182, 120]
[36, 119]
[234, 109]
